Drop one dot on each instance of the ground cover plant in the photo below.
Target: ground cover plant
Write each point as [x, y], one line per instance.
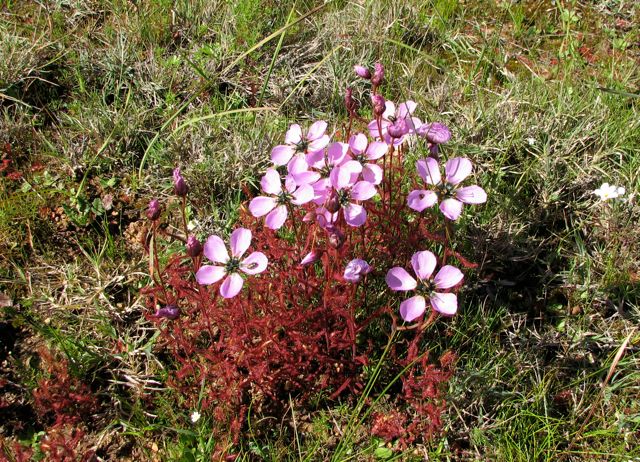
[102, 100]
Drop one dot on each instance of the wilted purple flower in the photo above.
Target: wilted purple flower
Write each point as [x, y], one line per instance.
[194, 248]
[398, 129]
[179, 185]
[451, 197]
[168, 312]
[336, 237]
[435, 133]
[362, 71]
[424, 263]
[216, 251]
[378, 74]
[154, 209]
[390, 117]
[275, 205]
[356, 269]
[349, 102]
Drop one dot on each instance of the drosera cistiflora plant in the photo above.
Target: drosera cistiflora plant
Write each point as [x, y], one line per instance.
[307, 319]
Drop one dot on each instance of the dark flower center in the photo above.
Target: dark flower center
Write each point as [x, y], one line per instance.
[232, 266]
[344, 197]
[302, 145]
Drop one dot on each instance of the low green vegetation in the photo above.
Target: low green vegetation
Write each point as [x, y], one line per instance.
[101, 99]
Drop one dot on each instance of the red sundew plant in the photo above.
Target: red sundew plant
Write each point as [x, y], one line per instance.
[329, 240]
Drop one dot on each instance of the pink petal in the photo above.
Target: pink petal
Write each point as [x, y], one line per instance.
[316, 130]
[281, 154]
[412, 308]
[261, 205]
[316, 159]
[297, 164]
[420, 199]
[276, 217]
[471, 195]
[354, 214]
[254, 263]
[270, 182]
[435, 132]
[398, 279]
[457, 169]
[340, 177]
[321, 189]
[376, 150]
[406, 109]
[240, 241]
[372, 173]
[389, 110]
[446, 304]
[294, 135]
[447, 277]
[429, 170]
[215, 250]
[423, 264]
[373, 128]
[319, 144]
[363, 190]
[358, 143]
[451, 208]
[307, 177]
[303, 194]
[209, 274]
[336, 153]
[231, 285]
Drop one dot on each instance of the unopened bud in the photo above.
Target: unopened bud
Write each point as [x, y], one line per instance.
[333, 204]
[154, 210]
[194, 248]
[362, 71]
[168, 312]
[378, 105]
[336, 238]
[378, 74]
[349, 102]
[310, 258]
[179, 185]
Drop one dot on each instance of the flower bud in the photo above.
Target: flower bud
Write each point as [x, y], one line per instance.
[349, 102]
[435, 132]
[168, 312]
[194, 248]
[154, 210]
[362, 71]
[336, 238]
[179, 185]
[310, 258]
[378, 74]
[333, 204]
[398, 129]
[378, 105]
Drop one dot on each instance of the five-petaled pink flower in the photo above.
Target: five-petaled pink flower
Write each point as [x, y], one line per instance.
[424, 263]
[299, 145]
[276, 204]
[452, 197]
[346, 190]
[216, 251]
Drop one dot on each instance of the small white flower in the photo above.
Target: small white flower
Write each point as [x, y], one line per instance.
[607, 191]
[195, 416]
[531, 141]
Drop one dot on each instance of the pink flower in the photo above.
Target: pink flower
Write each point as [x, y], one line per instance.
[179, 185]
[296, 143]
[275, 205]
[324, 162]
[216, 251]
[363, 154]
[424, 263]
[310, 258]
[390, 116]
[356, 269]
[362, 72]
[346, 190]
[452, 197]
[435, 133]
